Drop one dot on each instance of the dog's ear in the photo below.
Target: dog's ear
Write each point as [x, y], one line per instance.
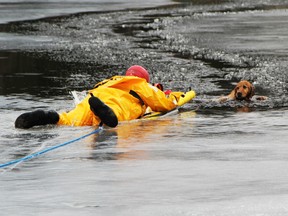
[251, 91]
[234, 91]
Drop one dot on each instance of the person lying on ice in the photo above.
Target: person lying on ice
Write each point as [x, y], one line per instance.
[116, 99]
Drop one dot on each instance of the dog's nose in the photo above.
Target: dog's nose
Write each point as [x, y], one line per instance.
[239, 95]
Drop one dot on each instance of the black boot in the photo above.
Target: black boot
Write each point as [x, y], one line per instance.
[37, 117]
[104, 112]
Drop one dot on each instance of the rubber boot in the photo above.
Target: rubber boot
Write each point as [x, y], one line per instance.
[37, 117]
[104, 112]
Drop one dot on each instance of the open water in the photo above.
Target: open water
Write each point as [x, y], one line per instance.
[209, 160]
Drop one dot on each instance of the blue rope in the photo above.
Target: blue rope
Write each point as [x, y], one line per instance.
[28, 157]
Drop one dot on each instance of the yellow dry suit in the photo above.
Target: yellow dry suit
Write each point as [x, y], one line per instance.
[127, 96]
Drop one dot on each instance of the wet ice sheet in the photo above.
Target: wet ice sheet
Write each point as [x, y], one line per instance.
[190, 164]
[259, 31]
[17, 10]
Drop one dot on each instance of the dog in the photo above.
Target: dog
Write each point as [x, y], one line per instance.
[244, 91]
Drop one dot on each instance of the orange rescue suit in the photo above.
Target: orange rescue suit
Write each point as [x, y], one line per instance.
[118, 93]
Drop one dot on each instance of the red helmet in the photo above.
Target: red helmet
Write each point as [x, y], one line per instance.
[138, 71]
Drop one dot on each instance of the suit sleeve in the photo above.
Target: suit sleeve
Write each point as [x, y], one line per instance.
[156, 99]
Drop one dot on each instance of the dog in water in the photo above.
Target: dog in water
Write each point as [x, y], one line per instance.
[244, 91]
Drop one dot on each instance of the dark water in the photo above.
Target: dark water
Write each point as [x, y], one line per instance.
[210, 159]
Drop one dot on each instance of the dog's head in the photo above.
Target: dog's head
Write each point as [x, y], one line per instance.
[244, 90]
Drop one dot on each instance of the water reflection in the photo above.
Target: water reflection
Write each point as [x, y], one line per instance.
[128, 140]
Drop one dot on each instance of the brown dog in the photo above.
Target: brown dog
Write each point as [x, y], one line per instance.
[244, 90]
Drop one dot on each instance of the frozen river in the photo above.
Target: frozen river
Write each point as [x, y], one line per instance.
[208, 160]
